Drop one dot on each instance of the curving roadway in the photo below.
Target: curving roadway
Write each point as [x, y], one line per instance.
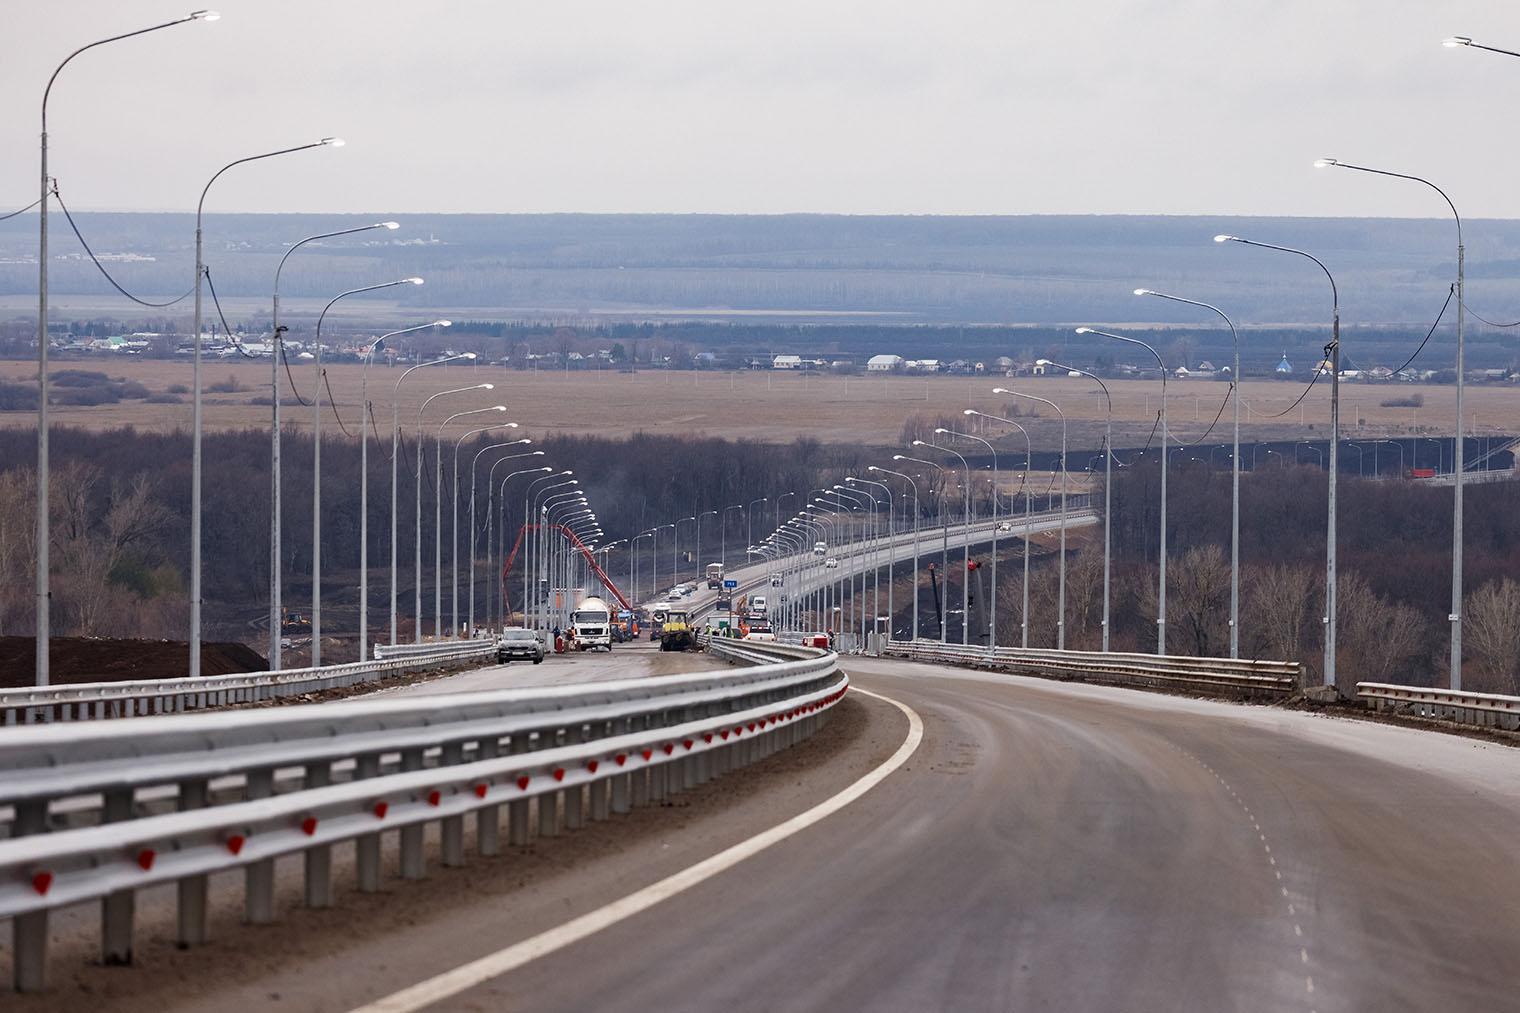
[1046, 846]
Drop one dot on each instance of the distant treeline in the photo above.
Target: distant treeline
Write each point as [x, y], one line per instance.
[120, 503]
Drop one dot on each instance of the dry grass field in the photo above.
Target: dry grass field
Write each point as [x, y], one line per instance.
[774, 406]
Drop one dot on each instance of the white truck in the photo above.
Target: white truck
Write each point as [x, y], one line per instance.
[591, 625]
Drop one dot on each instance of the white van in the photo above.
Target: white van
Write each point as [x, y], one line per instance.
[757, 605]
[820, 548]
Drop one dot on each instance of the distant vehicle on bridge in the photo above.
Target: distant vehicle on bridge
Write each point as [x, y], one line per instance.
[714, 575]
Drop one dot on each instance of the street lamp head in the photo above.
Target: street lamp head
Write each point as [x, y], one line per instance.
[941, 429]
[1456, 40]
[1320, 163]
[897, 457]
[205, 16]
[412, 281]
[450, 323]
[970, 411]
[1001, 390]
[1143, 291]
[485, 386]
[1084, 330]
[393, 226]
[502, 408]
[539, 453]
[333, 142]
[1227, 239]
[919, 443]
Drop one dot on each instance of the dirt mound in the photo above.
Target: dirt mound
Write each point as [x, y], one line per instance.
[88, 659]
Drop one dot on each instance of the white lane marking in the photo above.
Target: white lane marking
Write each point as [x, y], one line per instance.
[451, 983]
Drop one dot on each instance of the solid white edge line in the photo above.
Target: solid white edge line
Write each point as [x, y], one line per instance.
[451, 983]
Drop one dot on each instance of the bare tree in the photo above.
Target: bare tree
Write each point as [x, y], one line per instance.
[1198, 599]
[1377, 640]
[1281, 600]
[1491, 621]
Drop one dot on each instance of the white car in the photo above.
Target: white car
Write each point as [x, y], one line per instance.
[760, 633]
[831, 563]
[1005, 525]
[674, 595]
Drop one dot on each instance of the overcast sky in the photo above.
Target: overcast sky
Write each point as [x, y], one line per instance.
[851, 106]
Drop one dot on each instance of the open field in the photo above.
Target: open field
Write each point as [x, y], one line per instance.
[775, 406]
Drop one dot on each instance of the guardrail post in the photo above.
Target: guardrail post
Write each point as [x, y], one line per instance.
[258, 878]
[192, 889]
[319, 892]
[29, 932]
[367, 846]
[575, 800]
[117, 909]
[517, 809]
[451, 852]
[548, 803]
[600, 789]
[411, 835]
[487, 818]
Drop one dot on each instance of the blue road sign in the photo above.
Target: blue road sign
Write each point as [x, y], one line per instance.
[730, 583]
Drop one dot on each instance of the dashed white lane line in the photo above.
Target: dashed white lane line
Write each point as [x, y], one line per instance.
[466, 976]
[1298, 929]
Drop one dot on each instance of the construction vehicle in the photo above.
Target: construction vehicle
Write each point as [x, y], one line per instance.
[591, 625]
[676, 633]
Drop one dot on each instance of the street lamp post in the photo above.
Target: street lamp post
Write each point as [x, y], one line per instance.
[914, 486]
[195, 426]
[499, 574]
[944, 547]
[891, 524]
[1161, 579]
[966, 548]
[474, 527]
[675, 546]
[1028, 523]
[1234, 469]
[749, 518]
[44, 592]
[1335, 424]
[417, 513]
[395, 459]
[438, 514]
[1061, 581]
[723, 535]
[992, 598]
[530, 539]
[1108, 486]
[316, 462]
[364, 420]
[454, 523]
[276, 608]
[1455, 616]
[698, 549]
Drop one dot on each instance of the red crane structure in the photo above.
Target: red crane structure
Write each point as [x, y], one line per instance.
[597, 571]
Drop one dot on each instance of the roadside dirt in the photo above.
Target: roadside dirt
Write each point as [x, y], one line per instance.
[91, 659]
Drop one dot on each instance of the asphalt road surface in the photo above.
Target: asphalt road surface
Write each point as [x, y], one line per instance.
[1046, 846]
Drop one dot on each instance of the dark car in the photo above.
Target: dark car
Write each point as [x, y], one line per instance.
[518, 644]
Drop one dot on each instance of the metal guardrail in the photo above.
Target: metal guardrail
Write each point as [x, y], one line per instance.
[100, 700]
[1488, 709]
[86, 799]
[1203, 675]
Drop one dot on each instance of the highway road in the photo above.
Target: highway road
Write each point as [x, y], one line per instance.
[1045, 846]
